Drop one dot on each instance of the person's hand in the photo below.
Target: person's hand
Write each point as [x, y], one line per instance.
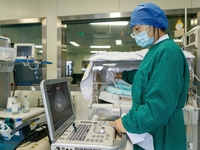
[118, 75]
[117, 124]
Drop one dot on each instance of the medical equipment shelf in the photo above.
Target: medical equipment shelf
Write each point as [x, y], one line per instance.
[29, 88]
[6, 66]
[37, 88]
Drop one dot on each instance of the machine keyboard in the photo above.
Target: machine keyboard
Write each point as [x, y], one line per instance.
[89, 132]
[81, 132]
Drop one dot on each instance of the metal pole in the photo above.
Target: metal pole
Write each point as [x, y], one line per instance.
[185, 20]
[198, 18]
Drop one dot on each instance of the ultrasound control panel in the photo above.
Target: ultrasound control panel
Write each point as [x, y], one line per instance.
[89, 134]
[94, 132]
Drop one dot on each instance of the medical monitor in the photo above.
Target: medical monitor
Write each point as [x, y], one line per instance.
[58, 106]
[25, 49]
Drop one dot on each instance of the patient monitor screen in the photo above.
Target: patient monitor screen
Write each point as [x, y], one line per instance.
[60, 103]
[24, 51]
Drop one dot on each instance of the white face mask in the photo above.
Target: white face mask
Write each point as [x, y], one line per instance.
[142, 39]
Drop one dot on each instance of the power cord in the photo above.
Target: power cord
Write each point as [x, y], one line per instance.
[15, 82]
[28, 64]
[30, 137]
[47, 132]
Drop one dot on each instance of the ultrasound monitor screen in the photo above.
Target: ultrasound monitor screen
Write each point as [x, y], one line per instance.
[60, 103]
[24, 51]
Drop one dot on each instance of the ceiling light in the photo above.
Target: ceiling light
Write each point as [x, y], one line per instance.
[116, 14]
[64, 26]
[193, 21]
[94, 52]
[74, 43]
[118, 42]
[29, 20]
[105, 46]
[117, 23]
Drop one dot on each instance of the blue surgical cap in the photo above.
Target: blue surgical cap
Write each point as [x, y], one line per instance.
[149, 14]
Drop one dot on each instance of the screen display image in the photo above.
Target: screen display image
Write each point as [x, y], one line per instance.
[24, 51]
[60, 103]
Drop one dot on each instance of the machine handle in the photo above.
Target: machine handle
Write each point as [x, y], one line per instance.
[21, 126]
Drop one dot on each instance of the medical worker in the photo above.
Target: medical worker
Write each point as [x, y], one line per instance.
[159, 86]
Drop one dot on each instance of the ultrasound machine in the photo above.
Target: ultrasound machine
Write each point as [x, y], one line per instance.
[65, 131]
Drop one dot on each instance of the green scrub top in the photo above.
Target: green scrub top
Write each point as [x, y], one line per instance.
[159, 92]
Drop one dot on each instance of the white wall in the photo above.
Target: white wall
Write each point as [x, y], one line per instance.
[33, 96]
[128, 5]
[81, 105]
[80, 7]
[18, 9]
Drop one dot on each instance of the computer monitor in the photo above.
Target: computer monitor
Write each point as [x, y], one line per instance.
[58, 105]
[25, 49]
